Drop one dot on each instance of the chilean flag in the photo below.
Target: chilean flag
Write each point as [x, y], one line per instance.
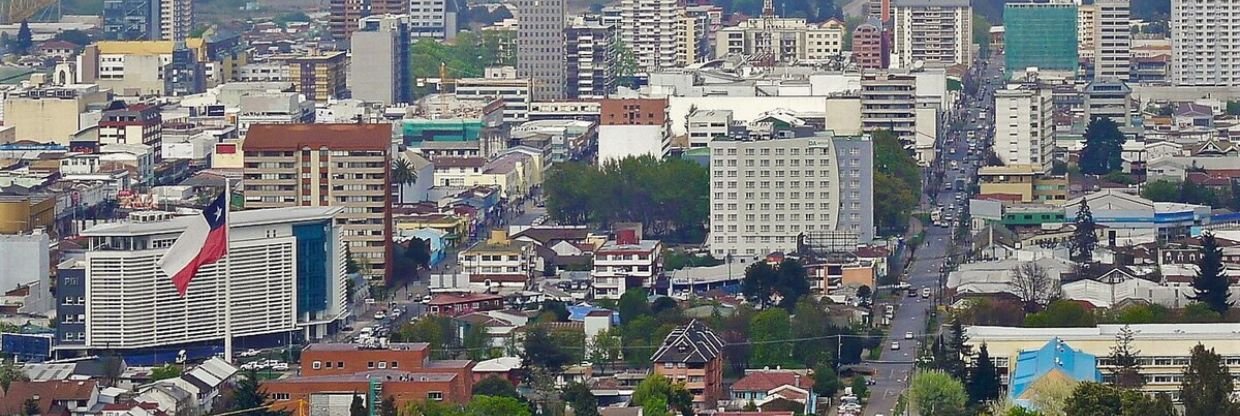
[203, 242]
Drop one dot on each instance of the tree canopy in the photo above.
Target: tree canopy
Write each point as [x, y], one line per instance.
[1085, 236]
[1126, 368]
[781, 285]
[656, 394]
[983, 383]
[668, 196]
[897, 174]
[1061, 313]
[768, 332]
[936, 393]
[1103, 146]
[1095, 399]
[1211, 285]
[1207, 385]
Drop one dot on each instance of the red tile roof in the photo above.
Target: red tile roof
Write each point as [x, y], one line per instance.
[13, 401]
[342, 136]
[767, 380]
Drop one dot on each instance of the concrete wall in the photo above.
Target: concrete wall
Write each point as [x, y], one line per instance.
[24, 259]
[619, 142]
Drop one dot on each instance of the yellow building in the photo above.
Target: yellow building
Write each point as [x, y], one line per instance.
[455, 226]
[53, 114]
[22, 214]
[1164, 349]
[319, 77]
[1025, 181]
[136, 67]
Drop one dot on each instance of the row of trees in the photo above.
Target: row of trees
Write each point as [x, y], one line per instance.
[1191, 193]
[668, 197]
[897, 174]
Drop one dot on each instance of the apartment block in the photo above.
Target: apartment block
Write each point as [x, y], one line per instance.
[284, 273]
[343, 17]
[433, 19]
[1024, 127]
[693, 354]
[591, 60]
[1205, 42]
[541, 48]
[1109, 98]
[649, 29]
[706, 125]
[625, 263]
[787, 40]
[869, 45]
[765, 193]
[320, 77]
[1086, 22]
[176, 19]
[133, 124]
[932, 32]
[516, 93]
[328, 165]
[379, 66]
[889, 102]
[52, 115]
[1041, 35]
[1112, 41]
[633, 128]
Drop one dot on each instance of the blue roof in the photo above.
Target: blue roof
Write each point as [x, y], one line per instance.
[579, 311]
[1032, 365]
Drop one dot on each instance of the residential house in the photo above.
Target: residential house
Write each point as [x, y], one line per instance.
[761, 386]
[205, 381]
[693, 354]
[452, 305]
[53, 397]
[624, 263]
[499, 263]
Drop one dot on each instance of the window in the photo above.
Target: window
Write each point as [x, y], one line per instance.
[280, 396]
[370, 364]
[383, 364]
[316, 365]
[395, 364]
[339, 364]
[434, 395]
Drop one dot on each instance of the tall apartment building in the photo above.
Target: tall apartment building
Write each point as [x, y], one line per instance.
[1086, 22]
[1041, 35]
[1024, 128]
[320, 77]
[932, 32]
[343, 17]
[649, 29]
[540, 47]
[889, 102]
[286, 273]
[688, 36]
[795, 40]
[709, 19]
[379, 68]
[176, 19]
[434, 19]
[1112, 41]
[328, 165]
[1205, 42]
[633, 127]
[591, 60]
[131, 20]
[765, 193]
[1109, 98]
[869, 45]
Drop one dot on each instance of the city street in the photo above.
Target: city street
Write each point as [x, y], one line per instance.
[893, 369]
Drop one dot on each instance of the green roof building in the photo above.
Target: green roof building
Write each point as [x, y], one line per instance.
[1040, 35]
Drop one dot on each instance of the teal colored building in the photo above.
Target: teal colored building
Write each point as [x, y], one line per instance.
[1041, 35]
[416, 131]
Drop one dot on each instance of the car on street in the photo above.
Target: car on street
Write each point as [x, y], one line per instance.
[908, 335]
[426, 299]
[249, 353]
[280, 366]
[379, 316]
[925, 292]
[912, 293]
[895, 346]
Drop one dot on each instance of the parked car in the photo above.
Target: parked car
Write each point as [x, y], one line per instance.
[379, 316]
[249, 353]
[280, 367]
[895, 346]
[925, 292]
[426, 299]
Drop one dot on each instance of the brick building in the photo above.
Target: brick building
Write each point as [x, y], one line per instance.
[693, 354]
[333, 373]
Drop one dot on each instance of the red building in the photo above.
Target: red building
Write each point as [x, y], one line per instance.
[454, 305]
[693, 354]
[403, 371]
[870, 45]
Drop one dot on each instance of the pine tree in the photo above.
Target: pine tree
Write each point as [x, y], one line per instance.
[1103, 147]
[388, 407]
[358, 407]
[1210, 285]
[1126, 369]
[983, 383]
[1084, 237]
[25, 39]
[957, 348]
[1207, 385]
[250, 397]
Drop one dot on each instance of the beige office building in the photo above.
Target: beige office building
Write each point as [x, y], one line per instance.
[344, 165]
[52, 115]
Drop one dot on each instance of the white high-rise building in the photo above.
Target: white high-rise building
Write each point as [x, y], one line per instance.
[1112, 40]
[1086, 22]
[932, 32]
[652, 30]
[432, 19]
[765, 193]
[286, 274]
[1024, 128]
[1205, 42]
[176, 19]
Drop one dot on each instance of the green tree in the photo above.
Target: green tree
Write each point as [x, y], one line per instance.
[1084, 236]
[358, 406]
[670, 197]
[388, 406]
[165, 372]
[1126, 368]
[579, 397]
[899, 176]
[31, 407]
[75, 37]
[1103, 146]
[1233, 108]
[762, 282]
[25, 39]
[1061, 313]
[606, 346]
[957, 350]
[402, 175]
[936, 393]
[10, 372]
[1200, 313]
[491, 406]
[656, 394]
[495, 386]
[859, 388]
[633, 303]
[984, 378]
[810, 323]
[1094, 399]
[430, 329]
[1050, 395]
[249, 396]
[542, 350]
[1207, 385]
[769, 332]
[556, 307]
[1211, 285]
[826, 382]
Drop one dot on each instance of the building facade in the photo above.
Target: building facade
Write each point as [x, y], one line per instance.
[932, 32]
[135, 124]
[889, 102]
[649, 28]
[786, 40]
[1109, 98]
[633, 127]
[1112, 41]
[320, 77]
[343, 17]
[625, 263]
[869, 46]
[1086, 21]
[1024, 127]
[540, 47]
[433, 19]
[287, 275]
[176, 19]
[131, 20]
[1040, 35]
[1205, 42]
[591, 60]
[693, 354]
[328, 165]
[379, 68]
[766, 193]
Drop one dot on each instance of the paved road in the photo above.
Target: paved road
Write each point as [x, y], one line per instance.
[895, 366]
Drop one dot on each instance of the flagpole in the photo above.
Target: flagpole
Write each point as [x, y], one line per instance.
[228, 339]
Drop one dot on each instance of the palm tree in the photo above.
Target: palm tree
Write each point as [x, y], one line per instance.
[403, 174]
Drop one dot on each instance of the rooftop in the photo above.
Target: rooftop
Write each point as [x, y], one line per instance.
[395, 346]
[366, 377]
[239, 219]
[376, 137]
[1107, 332]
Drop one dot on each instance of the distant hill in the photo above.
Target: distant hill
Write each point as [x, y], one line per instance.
[992, 10]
